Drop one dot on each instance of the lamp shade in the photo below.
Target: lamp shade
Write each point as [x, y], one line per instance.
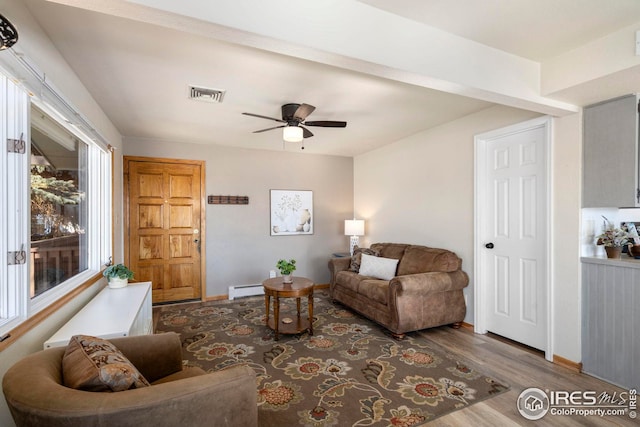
[292, 134]
[354, 227]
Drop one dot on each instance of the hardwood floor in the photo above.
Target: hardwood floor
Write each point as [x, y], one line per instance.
[522, 368]
[519, 366]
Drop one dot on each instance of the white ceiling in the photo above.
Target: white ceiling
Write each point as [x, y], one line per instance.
[534, 29]
[138, 67]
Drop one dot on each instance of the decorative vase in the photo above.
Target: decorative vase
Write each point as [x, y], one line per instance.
[613, 251]
[116, 282]
[305, 216]
[291, 222]
[286, 278]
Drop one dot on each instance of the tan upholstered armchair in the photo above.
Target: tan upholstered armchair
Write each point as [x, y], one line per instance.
[35, 393]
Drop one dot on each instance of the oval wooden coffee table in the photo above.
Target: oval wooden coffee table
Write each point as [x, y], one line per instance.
[290, 324]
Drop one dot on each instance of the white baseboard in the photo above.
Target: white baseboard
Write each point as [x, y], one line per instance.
[238, 291]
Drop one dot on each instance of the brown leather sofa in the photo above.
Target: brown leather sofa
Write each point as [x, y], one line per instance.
[426, 291]
[177, 397]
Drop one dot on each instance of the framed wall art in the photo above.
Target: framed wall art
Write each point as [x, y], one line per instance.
[291, 212]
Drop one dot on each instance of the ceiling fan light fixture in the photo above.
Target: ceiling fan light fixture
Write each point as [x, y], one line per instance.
[292, 134]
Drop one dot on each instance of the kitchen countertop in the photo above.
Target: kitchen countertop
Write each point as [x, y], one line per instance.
[624, 261]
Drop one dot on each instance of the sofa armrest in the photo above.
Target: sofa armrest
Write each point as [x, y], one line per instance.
[155, 356]
[424, 283]
[337, 265]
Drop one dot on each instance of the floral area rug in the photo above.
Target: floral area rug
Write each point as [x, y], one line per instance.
[351, 372]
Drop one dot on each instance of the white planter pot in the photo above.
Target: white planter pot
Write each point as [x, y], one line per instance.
[115, 282]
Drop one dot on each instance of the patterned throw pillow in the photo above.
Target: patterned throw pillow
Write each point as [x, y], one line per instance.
[94, 364]
[378, 267]
[357, 254]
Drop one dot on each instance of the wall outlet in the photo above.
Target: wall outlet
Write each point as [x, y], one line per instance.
[272, 274]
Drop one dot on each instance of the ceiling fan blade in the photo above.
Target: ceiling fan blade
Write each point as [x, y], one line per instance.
[264, 117]
[303, 111]
[264, 130]
[306, 133]
[327, 124]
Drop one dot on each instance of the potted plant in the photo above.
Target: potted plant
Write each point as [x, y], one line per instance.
[117, 275]
[612, 238]
[286, 268]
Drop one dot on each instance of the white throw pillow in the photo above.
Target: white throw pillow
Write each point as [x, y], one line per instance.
[378, 267]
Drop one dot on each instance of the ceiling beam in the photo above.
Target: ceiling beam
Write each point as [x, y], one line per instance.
[352, 35]
[616, 53]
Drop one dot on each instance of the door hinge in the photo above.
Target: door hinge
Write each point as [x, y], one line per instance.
[16, 257]
[17, 146]
[637, 195]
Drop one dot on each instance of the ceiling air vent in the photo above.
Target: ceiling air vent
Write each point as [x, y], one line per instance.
[206, 94]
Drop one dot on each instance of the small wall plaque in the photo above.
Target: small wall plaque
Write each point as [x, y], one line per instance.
[228, 200]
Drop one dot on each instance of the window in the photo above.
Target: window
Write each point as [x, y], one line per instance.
[58, 178]
[55, 215]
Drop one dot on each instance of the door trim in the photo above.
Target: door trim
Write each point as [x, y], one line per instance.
[203, 223]
[480, 192]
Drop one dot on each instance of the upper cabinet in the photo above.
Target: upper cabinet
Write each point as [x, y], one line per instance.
[610, 143]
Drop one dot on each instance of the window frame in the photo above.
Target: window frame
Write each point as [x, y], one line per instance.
[98, 191]
[14, 122]
[18, 311]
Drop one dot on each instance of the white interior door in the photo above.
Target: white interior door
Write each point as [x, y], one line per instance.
[512, 262]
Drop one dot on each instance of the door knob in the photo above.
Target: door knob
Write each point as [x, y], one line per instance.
[489, 246]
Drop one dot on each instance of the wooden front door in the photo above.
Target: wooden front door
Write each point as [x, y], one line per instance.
[165, 225]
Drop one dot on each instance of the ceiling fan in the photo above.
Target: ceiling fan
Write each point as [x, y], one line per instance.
[293, 117]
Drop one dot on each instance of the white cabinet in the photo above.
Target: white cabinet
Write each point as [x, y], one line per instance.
[610, 143]
[110, 314]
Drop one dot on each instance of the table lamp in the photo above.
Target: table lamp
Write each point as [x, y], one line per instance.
[354, 228]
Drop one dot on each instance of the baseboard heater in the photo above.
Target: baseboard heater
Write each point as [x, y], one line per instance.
[238, 291]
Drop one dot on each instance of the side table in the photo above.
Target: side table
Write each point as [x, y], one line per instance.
[300, 287]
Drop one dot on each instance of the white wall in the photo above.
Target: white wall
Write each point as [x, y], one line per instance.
[420, 190]
[567, 189]
[239, 247]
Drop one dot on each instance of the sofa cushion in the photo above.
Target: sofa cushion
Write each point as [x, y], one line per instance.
[357, 253]
[375, 290]
[94, 364]
[421, 259]
[349, 279]
[378, 267]
[390, 250]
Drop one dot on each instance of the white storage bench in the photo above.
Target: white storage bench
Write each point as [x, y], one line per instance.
[110, 314]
